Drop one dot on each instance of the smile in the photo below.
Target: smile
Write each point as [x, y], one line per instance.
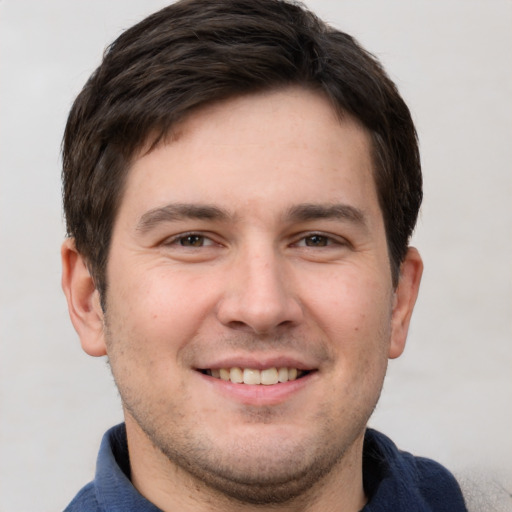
[252, 377]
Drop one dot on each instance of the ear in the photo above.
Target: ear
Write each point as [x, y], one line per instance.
[83, 300]
[404, 299]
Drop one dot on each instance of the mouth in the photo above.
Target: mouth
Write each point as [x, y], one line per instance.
[255, 377]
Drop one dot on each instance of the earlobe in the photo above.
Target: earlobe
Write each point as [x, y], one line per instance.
[405, 297]
[83, 300]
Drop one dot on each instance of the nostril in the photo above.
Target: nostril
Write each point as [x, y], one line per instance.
[237, 324]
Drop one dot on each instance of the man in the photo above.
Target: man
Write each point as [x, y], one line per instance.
[240, 185]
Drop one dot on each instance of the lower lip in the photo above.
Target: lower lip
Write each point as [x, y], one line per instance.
[259, 394]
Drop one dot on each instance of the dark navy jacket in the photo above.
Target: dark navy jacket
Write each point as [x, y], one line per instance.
[394, 481]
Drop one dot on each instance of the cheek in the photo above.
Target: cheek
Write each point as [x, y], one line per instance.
[353, 312]
[353, 307]
[158, 309]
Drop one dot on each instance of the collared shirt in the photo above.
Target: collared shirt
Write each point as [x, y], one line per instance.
[394, 481]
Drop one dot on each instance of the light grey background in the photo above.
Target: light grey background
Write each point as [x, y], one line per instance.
[449, 397]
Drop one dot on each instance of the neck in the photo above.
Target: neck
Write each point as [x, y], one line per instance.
[170, 487]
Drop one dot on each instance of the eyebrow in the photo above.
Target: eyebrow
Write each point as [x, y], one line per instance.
[307, 212]
[180, 211]
[298, 213]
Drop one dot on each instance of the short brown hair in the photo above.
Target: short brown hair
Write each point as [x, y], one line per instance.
[196, 52]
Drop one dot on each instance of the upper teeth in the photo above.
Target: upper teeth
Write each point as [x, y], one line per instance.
[252, 376]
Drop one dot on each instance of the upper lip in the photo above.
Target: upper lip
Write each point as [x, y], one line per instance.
[262, 362]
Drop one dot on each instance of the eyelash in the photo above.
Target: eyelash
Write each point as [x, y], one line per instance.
[178, 239]
[326, 240]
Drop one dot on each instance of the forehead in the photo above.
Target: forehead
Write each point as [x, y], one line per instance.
[270, 150]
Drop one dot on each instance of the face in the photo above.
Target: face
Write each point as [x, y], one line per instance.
[250, 311]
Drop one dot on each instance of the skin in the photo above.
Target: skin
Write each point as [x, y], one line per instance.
[245, 242]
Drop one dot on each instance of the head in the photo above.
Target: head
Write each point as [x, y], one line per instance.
[240, 184]
[199, 52]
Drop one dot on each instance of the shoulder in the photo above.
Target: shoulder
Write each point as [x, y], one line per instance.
[407, 482]
[84, 501]
[435, 484]
[111, 488]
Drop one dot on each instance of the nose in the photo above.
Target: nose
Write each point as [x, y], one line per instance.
[258, 297]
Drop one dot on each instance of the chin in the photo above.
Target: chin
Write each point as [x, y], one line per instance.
[257, 468]
[260, 479]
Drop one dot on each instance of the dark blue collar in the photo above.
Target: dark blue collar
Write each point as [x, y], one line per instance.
[400, 482]
[394, 481]
[114, 491]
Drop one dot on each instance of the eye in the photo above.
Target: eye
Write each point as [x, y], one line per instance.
[190, 240]
[317, 240]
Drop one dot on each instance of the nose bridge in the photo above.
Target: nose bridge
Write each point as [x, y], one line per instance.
[258, 295]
